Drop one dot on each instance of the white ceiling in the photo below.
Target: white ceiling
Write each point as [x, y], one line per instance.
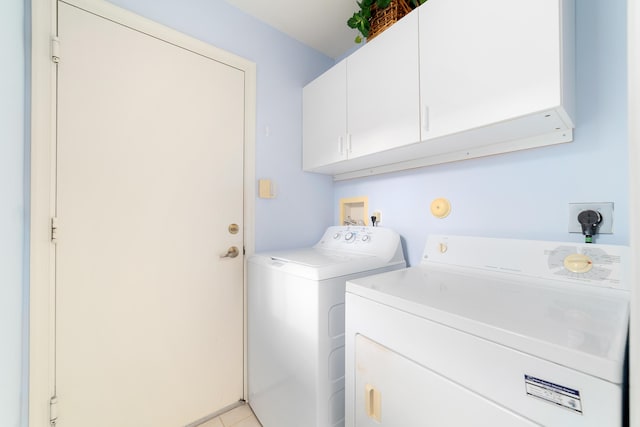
[321, 24]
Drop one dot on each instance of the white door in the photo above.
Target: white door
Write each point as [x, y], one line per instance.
[149, 317]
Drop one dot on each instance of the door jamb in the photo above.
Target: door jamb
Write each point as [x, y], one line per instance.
[42, 189]
[633, 44]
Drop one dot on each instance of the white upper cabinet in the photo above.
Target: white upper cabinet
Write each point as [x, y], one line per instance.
[324, 118]
[483, 62]
[365, 104]
[382, 96]
[454, 79]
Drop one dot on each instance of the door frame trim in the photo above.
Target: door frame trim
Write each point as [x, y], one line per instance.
[633, 91]
[42, 185]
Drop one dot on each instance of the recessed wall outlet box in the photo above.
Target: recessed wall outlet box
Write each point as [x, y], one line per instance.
[354, 211]
[605, 209]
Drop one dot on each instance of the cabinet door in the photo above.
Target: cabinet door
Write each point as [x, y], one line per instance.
[482, 62]
[382, 90]
[324, 118]
[393, 391]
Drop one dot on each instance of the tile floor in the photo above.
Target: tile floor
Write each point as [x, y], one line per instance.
[242, 416]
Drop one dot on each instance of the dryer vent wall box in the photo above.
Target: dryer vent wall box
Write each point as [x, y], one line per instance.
[522, 333]
[296, 323]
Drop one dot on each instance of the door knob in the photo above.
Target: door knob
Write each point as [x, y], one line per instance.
[232, 252]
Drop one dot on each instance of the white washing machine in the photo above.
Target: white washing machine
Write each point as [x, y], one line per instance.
[296, 323]
[491, 332]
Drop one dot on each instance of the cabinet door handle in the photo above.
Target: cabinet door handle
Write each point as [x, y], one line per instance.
[341, 145]
[425, 118]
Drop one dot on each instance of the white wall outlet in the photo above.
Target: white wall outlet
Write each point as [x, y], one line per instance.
[378, 216]
[605, 209]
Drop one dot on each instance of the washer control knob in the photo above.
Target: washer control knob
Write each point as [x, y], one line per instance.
[366, 238]
[349, 236]
[336, 236]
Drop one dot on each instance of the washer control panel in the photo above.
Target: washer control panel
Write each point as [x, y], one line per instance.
[354, 235]
[360, 239]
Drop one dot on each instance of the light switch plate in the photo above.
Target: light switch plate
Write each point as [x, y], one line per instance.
[266, 189]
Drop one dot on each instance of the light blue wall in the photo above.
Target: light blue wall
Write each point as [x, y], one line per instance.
[301, 210]
[526, 194]
[522, 195]
[12, 209]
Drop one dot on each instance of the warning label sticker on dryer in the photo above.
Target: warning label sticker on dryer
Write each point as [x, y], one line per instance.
[553, 393]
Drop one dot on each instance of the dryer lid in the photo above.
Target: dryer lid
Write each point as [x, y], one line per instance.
[575, 325]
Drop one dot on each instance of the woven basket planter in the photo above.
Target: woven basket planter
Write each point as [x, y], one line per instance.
[381, 19]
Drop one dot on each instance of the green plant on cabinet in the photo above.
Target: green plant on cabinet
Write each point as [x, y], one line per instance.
[362, 18]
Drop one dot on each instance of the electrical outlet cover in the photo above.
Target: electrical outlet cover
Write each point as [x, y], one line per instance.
[605, 209]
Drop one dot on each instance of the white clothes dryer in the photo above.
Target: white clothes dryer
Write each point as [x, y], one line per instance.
[491, 332]
[296, 323]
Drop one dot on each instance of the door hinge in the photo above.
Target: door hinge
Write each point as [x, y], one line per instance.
[53, 411]
[55, 49]
[54, 229]
[244, 251]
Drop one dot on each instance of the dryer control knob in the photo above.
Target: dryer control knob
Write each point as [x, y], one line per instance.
[336, 236]
[349, 236]
[366, 238]
[578, 263]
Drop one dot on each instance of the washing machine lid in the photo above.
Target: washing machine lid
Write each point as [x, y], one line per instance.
[315, 258]
[322, 264]
[341, 251]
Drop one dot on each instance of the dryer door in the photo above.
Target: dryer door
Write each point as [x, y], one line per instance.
[392, 391]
